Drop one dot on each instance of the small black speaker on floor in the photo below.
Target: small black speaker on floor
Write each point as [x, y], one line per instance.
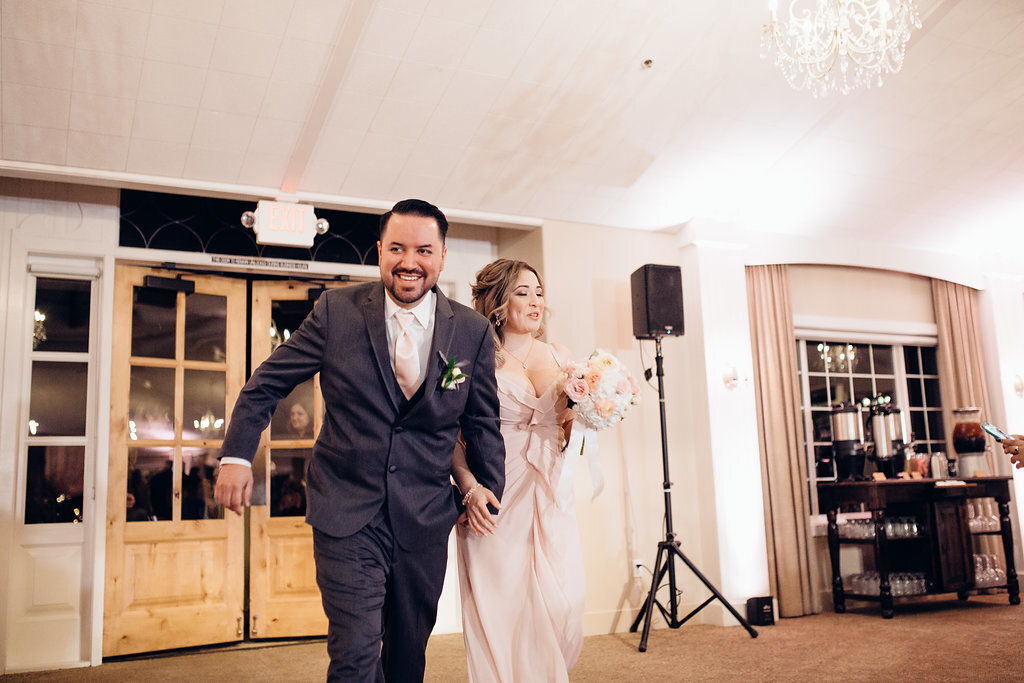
[760, 611]
[657, 301]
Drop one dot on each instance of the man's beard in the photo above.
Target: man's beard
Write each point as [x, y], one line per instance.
[407, 297]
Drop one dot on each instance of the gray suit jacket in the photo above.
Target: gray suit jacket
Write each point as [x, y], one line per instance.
[376, 447]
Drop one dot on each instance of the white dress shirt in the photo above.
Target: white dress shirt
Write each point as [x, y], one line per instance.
[422, 332]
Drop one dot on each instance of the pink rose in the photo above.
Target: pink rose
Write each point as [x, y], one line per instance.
[623, 387]
[593, 378]
[634, 384]
[577, 389]
[605, 407]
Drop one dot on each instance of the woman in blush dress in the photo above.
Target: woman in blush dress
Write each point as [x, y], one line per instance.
[521, 573]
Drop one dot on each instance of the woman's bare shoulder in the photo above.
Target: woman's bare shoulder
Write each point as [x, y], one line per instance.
[561, 352]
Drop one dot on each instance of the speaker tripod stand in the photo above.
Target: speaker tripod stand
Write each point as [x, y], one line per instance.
[668, 550]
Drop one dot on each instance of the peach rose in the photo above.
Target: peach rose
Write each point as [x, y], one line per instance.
[577, 389]
[605, 407]
[593, 378]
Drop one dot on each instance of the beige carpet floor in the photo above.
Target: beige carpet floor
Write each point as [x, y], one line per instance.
[938, 639]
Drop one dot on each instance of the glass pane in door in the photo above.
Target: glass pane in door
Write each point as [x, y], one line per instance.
[150, 484]
[205, 327]
[55, 481]
[198, 476]
[151, 403]
[58, 402]
[203, 407]
[286, 316]
[154, 322]
[288, 481]
[293, 418]
[61, 315]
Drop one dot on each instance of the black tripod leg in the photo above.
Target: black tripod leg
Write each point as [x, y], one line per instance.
[648, 614]
[656, 576]
[711, 587]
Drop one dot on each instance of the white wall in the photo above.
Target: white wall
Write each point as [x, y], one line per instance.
[726, 431]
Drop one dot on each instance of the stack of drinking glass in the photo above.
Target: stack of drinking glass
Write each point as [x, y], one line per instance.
[981, 515]
[987, 571]
[901, 583]
[895, 527]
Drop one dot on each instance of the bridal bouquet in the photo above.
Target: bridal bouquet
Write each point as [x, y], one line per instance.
[600, 390]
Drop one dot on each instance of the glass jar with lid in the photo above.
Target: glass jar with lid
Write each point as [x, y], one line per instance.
[969, 441]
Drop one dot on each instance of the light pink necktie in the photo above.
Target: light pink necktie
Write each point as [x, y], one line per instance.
[407, 358]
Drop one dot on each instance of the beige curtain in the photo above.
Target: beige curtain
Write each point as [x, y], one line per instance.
[961, 368]
[791, 562]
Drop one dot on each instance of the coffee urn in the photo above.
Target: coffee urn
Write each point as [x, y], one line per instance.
[887, 441]
[847, 441]
[900, 442]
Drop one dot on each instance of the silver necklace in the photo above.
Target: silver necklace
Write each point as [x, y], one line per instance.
[528, 351]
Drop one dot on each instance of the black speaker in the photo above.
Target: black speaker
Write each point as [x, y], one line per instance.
[760, 611]
[657, 301]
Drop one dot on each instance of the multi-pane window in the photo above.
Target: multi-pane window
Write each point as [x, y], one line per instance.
[56, 425]
[833, 372]
[923, 401]
[176, 403]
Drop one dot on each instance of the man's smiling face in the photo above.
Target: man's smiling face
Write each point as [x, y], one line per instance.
[411, 256]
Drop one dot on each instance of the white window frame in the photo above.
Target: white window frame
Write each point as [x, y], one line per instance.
[83, 270]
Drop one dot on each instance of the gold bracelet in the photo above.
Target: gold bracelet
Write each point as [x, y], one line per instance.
[465, 499]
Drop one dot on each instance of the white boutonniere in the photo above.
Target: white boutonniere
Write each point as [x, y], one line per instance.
[451, 373]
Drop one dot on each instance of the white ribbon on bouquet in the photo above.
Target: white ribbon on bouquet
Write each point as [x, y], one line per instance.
[574, 450]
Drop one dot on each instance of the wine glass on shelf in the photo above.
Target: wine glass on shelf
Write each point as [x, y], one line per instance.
[992, 517]
[984, 574]
[998, 573]
[905, 530]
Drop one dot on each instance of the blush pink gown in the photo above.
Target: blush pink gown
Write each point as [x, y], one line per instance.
[523, 587]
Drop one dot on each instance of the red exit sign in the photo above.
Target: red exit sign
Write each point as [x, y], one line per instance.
[292, 225]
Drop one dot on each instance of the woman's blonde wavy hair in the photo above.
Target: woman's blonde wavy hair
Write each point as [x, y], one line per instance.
[491, 293]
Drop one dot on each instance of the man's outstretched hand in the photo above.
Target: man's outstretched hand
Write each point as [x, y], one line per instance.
[234, 487]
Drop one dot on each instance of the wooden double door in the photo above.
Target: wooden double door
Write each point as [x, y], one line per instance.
[179, 571]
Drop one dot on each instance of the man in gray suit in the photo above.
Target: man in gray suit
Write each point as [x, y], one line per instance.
[379, 496]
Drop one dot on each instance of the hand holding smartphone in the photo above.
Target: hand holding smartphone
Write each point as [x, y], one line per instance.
[994, 431]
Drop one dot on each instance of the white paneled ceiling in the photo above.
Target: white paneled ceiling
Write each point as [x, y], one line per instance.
[533, 109]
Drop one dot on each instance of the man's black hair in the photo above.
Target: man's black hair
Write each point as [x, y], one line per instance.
[416, 207]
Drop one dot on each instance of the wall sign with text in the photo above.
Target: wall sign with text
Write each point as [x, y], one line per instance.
[284, 224]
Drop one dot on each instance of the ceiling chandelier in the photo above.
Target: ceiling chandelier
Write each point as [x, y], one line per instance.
[839, 45]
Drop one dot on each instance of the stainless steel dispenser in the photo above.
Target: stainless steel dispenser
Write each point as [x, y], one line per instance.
[900, 442]
[888, 444]
[847, 440]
